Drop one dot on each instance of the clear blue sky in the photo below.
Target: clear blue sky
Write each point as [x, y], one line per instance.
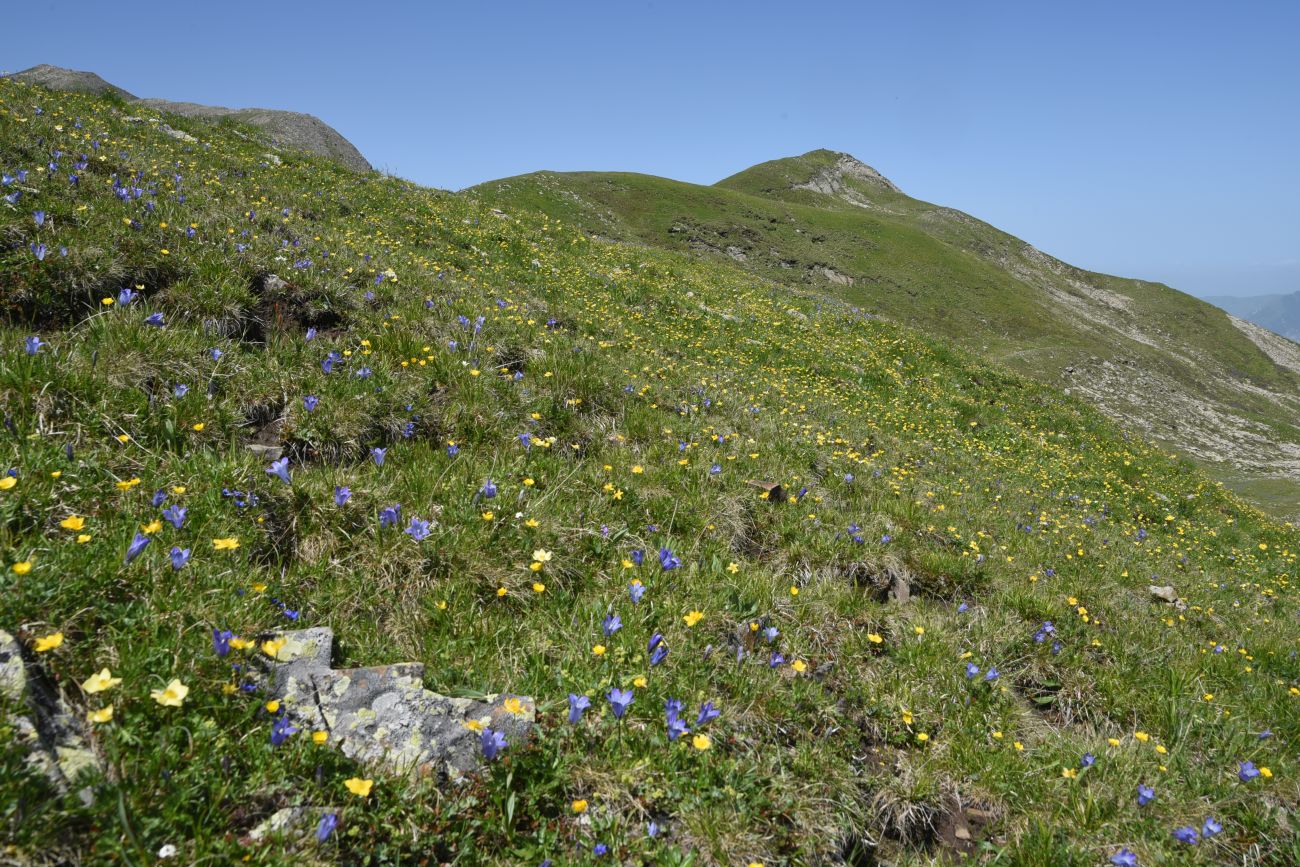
[1150, 139]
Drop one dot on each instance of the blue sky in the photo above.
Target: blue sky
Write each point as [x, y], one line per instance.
[1149, 139]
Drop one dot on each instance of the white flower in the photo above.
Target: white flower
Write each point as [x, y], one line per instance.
[168, 851]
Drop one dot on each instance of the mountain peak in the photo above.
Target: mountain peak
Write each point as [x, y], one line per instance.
[842, 168]
[70, 80]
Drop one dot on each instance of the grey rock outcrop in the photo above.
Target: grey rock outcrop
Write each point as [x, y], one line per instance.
[383, 714]
[44, 725]
[285, 128]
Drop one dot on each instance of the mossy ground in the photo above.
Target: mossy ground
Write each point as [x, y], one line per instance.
[620, 400]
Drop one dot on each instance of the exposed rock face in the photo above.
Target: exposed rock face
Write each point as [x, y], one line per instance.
[384, 715]
[44, 725]
[831, 181]
[286, 128]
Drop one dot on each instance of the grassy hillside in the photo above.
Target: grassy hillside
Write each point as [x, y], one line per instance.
[940, 640]
[1164, 363]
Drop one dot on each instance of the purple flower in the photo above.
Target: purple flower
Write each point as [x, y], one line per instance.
[279, 469]
[492, 743]
[577, 704]
[377, 455]
[390, 516]
[657, 648]
[138, 544]
[1124, 858]
[638, 556]
[676, 727]
[39, 217]
[180, 556]
[221, 641]
[991, 674]
[526, 440]
[1186, 834]
[611, 624]
[972, 670]
[619, 700]
[309, 402]
[342, 493]
[417, 529]
[453, 450]
[489, 490]
[159, 497]
[125, 296]
[180, 389]
[155, 320]
[39, 251]
[34, 345]
[1246, 771]
[599, 849]
[175, 515]
[1210, 828]
[1088, 760]
[281, 730]
[652, 829]
[668, 560]
[1146, 795]
[776, 660]
[328, 823]
[311, 334]
[636, 590]
[707, 712]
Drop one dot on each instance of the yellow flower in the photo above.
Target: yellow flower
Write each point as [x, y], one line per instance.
[580, 806]
[542, 556]
[874, 638]
[54, 474]
[1142, 736]
[733, 568]
[1265, 773]
[171, 696]
[598, 650]
[638, 469]
[794, 591]
[1069, 773]
[319, 738]
[922, 737]
[128, 484]
[640, 682]
[152, 527]
[532, 522]
[7, 482]
[1018, 745]
[198, 427]
[1160, 748]
[701, 742]
[473, 725]
[229, 543]
[1114, 742]
[799, 666]
[49, 642]
[73, 522]
[539, 587]
[124, 438]
[907, 717]
[106, 301]
[83, 538]
[359, 787]
[693, 617]
[488, 516]
[528, 483]
[22, 567]
[514, 706]
[272, 706]
[919, 630]
[272, 646]
[103, 715]
[259, 587]
[100, 682]
[241, 643]
[178, 489]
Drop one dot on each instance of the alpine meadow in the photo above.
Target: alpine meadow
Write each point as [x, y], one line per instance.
[602, 519]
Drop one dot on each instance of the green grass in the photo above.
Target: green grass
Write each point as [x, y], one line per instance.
[956, 277]
[635, 372]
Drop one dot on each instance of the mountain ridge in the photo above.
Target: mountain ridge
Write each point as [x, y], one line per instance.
[294, 129]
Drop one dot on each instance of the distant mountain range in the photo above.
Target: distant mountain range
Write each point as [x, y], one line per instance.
[1278, 313]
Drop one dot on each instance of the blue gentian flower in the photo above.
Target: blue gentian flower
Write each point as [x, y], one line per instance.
[611, 624]
[1210, 828]
[180, 556]
[279, 469]
[676, 727]
[159, 497]
[175, 515]
[599, 849]
[1088, 760]
[377, 455]
[992, 674]
[1146, 795]
[180, 389]
[668, 560]
[453, 450]
[776, 660]
[328, 822]
[489, 490]
[138, 544]
[972, 670]
[636, 590]
[309, 402]
[390, 516]
[125, 296]
[619, 701]
[492, 743]
[1186, 834]
[418, 529]
[707, 712]
[221, 641]
[281, 730]
[577, 704]
[155, 320]
[34, 344]
[1124, 858]
[341, 494]
[311, 334]
[1246, 771]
